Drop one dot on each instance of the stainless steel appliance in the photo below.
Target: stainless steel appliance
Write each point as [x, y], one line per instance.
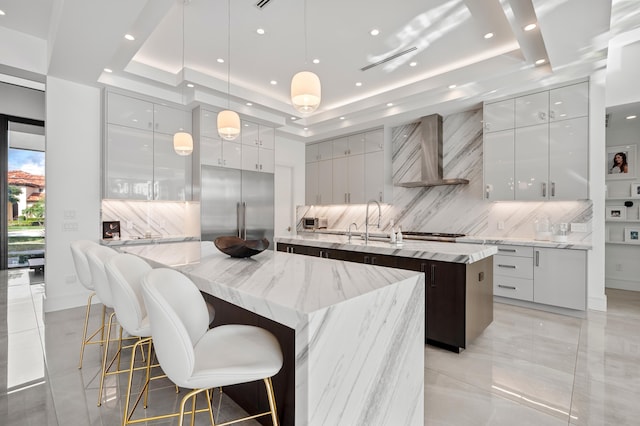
[431, 236]
[314, 222]
[236, 202]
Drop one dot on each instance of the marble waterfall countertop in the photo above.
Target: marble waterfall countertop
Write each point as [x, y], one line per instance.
[359, 329]
[154, 239]
[432, 250]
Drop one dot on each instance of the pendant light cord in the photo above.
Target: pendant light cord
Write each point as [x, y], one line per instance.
[229, 55]
[183, 96]
[306, 58]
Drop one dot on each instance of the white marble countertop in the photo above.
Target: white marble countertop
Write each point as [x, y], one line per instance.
[572, 245]
[279, 286]
[432, 250]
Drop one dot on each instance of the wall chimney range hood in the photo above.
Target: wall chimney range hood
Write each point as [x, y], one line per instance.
[431, 156]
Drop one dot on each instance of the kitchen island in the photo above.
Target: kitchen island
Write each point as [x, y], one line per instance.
[458, 277]
[357, 355]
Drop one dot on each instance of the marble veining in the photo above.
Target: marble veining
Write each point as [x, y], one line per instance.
[455, 208]
[359, 328]
[432, 250]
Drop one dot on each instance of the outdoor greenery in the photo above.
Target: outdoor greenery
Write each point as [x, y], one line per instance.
[14, 192]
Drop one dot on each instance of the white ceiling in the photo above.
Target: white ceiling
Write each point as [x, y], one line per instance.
[84, 37]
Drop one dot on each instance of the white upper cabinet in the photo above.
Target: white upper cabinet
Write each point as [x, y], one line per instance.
[532, 162]
[169, 120]
[128, 163]
[499, 116]
[218, 152]
[171, 172]
[357, 144]
[319, 151]
[311, 153]
[499, 165]
[532, 109]
[374, 141]
[129, 112]
[569, 102]
[373, 176]
[568, 159]
[341, 147]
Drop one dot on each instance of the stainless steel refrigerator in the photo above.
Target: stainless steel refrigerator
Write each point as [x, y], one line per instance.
[236, 202]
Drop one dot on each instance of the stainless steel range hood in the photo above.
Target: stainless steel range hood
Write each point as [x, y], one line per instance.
[431, 156]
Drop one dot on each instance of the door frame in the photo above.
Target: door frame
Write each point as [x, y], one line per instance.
[4, 169]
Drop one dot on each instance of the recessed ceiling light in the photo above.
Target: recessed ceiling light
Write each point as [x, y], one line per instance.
[2, 13]
[249, 104]
[220, 60]
[530, 27]
[390, 104]
[273, 82]
[316, 61]
[540, 61]
[558, 103]
[306, 128]
[341, 118]
[358, 84]
[190, 85]
[488, 35]
[246, 125]
[452, 86]
[374, 32]
[129, 37]
[260, 31]
[294, 118]
[493, 91]
[413, 64]
[631, 117]
[108, 70]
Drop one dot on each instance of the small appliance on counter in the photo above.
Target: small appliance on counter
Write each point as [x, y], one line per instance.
[543, 228]
[314, 222]
[561, 232]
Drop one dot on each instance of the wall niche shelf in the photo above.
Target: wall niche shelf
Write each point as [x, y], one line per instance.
[624, 243]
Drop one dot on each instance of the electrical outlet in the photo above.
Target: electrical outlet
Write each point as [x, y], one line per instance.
[579, 227]
[619, 267]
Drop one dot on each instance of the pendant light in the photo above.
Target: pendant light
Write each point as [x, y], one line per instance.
[183, 141]
[305, 85]
[228, 121]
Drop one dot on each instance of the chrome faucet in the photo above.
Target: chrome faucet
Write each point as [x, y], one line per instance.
[366, 220]
[349, 230]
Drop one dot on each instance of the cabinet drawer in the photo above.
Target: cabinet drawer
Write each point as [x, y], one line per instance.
[511, 266]
[520, 251]
[515, 288]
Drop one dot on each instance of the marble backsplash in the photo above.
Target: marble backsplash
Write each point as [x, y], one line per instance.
[453, 208]
[156, 218]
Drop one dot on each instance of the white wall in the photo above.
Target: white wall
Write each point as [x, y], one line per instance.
[22, 102]
[291, 153]
[73, 135]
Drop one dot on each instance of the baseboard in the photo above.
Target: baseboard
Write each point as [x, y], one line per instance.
[52, 304]
[622, 284]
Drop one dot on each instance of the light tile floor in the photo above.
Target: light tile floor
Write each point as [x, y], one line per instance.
[528, 368]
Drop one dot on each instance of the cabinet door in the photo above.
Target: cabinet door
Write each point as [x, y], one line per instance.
[374, 176]
[325, 150]
[499, 115]
[568, 159]
[560, 277]
[129, 112]
[169, 170]
[209, 124]
[250, 158]
[341, 147]
[499, 166]
[311, 184]
[231, 154]
[311, 153]
[569, 102]
[532, 109]
[325, 182]
[356, 179]
[340, 192]
[267, 160]
[249, 134]
[356, 144]
[374, 141]
[445, 303]
[267, 137]
[532, 162]
[128, 163]
[210, 151]
[169, 120]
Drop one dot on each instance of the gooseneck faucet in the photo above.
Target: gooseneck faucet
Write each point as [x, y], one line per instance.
[366, 220]
[349, 230]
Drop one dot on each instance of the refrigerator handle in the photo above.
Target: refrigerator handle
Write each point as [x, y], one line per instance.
[238, 219]
[244, 220]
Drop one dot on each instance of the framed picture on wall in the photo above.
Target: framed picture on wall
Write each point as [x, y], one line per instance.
[635, 190]
[621, 162]
[616, 213]
[111, 230]
[632, 235]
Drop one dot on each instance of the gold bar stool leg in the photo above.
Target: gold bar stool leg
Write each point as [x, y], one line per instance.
[104, 358]
[209, 396]
[272, 400]
[84, 331]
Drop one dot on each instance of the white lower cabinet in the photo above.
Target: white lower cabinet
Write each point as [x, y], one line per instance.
[560, 277]
[549, 276]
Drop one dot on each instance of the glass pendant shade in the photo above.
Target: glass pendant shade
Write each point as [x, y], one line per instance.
[228, 124]
[183, 143]
[305, 92]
